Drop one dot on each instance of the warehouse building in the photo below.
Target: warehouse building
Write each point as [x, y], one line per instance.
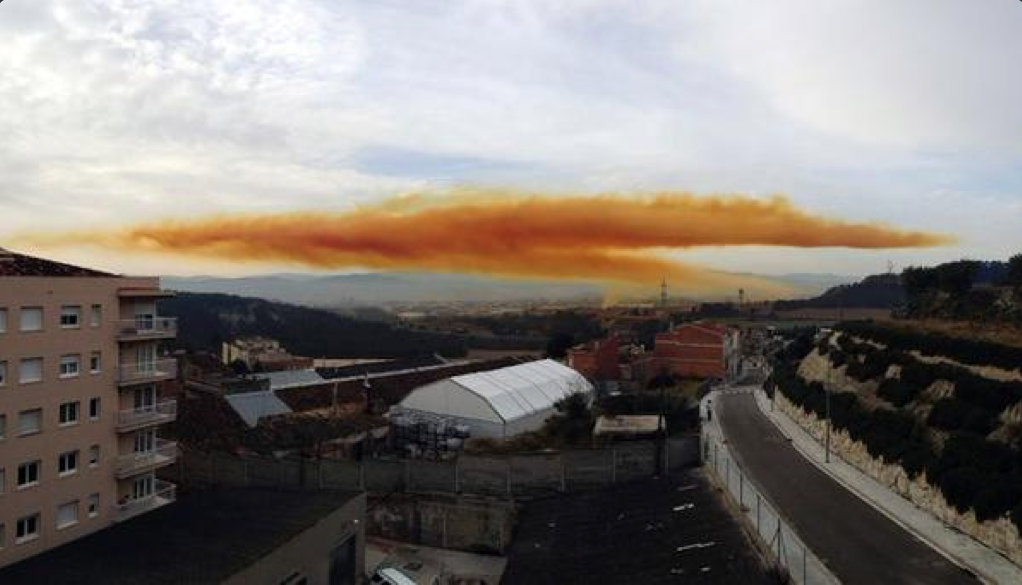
[498, 403]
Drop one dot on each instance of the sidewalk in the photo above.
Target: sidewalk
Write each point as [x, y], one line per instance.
[956, 546]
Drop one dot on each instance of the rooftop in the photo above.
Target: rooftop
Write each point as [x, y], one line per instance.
[205, 537]
[673, 530]
[627, 424]
[14, 264]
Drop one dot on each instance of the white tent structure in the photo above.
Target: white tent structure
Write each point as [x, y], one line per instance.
[499, 403]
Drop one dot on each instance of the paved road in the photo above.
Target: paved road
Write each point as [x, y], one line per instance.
[857, 543]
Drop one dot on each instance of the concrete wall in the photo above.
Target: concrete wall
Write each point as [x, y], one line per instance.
[309, 553]
[519, 475]
[457, 522]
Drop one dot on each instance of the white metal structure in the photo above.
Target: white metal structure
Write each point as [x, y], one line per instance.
[499, 403]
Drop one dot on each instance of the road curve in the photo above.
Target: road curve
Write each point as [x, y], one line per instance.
[856, 542]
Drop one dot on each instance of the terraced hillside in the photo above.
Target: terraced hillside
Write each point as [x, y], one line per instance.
[937, 418]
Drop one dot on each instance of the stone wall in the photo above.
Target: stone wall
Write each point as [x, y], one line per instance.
[1001, 534]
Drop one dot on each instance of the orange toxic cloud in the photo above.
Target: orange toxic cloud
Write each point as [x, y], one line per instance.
[607, 237]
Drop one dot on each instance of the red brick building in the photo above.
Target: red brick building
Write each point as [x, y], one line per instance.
[597, 360]
[697, 350]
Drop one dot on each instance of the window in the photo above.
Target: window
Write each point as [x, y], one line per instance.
[28, 474]
[94, 408]
[27, 529]
[3, 373]
[93, 505]
[67, 463]
[96, 316]
[70, 317]
[67, 514]
[3, 426]
[3, 320]
[31, 318]
[31, 370]
[30, 422]
[94, 456]
[68, 413]
[69, 366]
[95, 362]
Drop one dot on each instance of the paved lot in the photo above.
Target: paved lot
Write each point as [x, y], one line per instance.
[858, 543]
[650, 531]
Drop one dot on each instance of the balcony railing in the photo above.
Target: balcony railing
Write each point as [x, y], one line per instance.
[164, 493]
[154, 371]
[155, 414]
[163, 453]
[147, 327]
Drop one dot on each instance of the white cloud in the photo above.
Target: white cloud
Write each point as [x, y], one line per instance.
[127, 109]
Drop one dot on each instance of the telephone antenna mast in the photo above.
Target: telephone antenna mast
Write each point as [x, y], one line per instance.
[663, 292]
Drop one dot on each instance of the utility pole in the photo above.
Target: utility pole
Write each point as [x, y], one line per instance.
[826, 391]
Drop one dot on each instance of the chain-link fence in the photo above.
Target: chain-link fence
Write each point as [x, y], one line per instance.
[787, 551]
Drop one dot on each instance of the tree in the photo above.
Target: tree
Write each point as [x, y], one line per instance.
[1014, 275]
[559, 345]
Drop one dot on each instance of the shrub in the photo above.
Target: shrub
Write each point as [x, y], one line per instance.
[960, 487]
[897, 392]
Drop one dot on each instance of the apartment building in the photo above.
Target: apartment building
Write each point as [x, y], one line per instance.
[80, 411]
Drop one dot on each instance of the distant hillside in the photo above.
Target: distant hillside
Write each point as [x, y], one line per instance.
[881, 291]
[346, 290]
[205, 320]
[375, 289]
[966, 290]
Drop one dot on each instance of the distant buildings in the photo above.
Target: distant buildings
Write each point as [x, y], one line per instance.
[262, 354]
[80, 402]
[699, 349]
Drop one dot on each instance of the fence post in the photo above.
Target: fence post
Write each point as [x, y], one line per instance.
[803, 563]
[758, 531]
[741, 489]
[457, 471]
[727, 474]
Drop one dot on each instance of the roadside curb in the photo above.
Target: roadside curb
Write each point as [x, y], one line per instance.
[979, 572]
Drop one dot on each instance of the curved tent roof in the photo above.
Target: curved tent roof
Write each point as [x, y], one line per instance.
[512, 393]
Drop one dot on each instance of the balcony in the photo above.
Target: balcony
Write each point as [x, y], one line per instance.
[164, 411]
[147, 327]
[164, 453]
[164, 493]
[143, 372]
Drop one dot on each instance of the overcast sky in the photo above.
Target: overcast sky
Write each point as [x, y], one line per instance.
[906, 111]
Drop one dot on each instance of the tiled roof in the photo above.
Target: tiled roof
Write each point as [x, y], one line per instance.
[14, 264]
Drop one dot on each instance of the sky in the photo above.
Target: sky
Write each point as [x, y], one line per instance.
[122, 111]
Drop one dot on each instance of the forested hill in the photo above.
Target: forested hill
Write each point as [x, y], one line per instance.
[881, 291]
[205, 320]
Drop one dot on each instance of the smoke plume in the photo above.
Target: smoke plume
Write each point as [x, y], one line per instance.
[614, 238]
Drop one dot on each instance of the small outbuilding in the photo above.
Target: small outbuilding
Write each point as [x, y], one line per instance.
[498, 403]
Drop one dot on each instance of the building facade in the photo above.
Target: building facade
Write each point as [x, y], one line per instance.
[597, 360]
[80, 407]
[697, 350]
